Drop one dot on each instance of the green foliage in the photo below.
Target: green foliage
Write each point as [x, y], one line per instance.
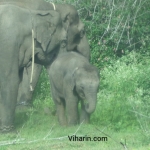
[123, 100]
[42, 96]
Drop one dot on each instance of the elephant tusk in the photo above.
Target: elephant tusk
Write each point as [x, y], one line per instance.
[31, 88]
[53, 5]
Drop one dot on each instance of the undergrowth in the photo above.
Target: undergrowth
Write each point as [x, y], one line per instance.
[124, 97]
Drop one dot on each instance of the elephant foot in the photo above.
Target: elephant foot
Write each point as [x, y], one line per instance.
[22, 107]
[6, 129]
[73, 123]
[85, 119]
[23, 103]
[63, 123]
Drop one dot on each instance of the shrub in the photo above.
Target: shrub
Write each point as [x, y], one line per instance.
[42, 96]
[123, 100]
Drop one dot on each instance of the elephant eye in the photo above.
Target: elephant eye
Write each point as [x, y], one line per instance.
[82, 95]
[81, 87]
[63, 43]
[82, 32]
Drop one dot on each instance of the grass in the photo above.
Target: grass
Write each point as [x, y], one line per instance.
[37, 131]
[122, 114]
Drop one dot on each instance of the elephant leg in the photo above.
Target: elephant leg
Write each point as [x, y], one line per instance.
[8, 97]
[60, 106]
[84, 116]
[0, 107]
[72, 111]
[24, 92]
[61, 112]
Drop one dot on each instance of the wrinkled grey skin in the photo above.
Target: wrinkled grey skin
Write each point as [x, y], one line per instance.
[73, 78]
[16, 24]
[76, 40]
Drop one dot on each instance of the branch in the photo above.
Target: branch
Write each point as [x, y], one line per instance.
[124, 145]
[108, 26]
[139, 114]
[122, 33]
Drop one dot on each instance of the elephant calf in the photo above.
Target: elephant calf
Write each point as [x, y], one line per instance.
[72, 79]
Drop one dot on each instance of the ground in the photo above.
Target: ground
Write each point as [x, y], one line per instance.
[37, 130]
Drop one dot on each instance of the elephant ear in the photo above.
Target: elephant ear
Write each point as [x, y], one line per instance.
[66, 20]
[69, 19]
[45, 24]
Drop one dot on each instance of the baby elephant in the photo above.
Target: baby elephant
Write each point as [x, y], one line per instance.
[72, 79]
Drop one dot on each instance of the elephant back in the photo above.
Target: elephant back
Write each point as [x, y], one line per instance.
[30, 4]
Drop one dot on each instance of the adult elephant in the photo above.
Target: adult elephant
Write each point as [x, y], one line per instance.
[22, 30]
[76, 39]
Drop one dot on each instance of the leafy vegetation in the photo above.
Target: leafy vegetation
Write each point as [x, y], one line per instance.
[125, 95]
[115, 27]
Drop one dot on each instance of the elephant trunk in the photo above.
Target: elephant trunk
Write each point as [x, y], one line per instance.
[84, 48]
[91, 103]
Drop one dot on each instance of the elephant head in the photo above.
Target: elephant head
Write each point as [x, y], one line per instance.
[86, 83]
[49, 35]
[76, 37]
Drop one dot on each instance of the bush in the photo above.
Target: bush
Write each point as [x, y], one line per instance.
[123, 101]
[42, 96]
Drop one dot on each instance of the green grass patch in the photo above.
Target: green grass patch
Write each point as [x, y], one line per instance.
[41, 131]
